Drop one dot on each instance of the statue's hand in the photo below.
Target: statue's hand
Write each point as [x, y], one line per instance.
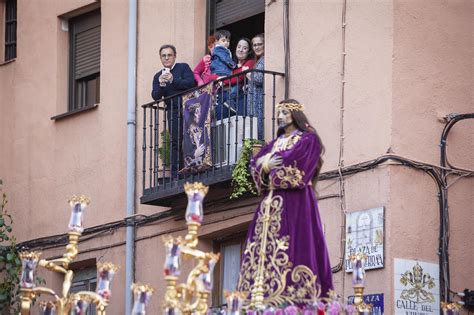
[269, 161]
[275, 161]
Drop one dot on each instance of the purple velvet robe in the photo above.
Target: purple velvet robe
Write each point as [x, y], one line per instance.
[296, 266]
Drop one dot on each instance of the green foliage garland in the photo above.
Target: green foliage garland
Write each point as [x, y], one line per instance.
[242, 181]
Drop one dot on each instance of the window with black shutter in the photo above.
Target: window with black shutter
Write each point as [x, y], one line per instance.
[85, 279]
[84, 75]
[10, 30]
[242, 18]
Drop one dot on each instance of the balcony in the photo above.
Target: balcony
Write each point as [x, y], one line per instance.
[231, 119]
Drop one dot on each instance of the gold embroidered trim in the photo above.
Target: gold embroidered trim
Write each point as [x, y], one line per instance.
[286, 143]
[276, 265]
[281, 144]
[259, 179]
[289, 176]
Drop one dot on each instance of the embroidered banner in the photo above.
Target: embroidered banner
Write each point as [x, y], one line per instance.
[196, 131]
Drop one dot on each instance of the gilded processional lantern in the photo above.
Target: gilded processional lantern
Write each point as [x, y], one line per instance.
[65, 302]
[190, 297]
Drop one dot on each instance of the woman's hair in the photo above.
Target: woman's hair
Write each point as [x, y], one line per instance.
[261, 35]
[250, 53]
[211, 41]
[301, 123]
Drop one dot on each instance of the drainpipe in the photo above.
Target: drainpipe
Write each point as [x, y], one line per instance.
[131, 132]
[286, 42]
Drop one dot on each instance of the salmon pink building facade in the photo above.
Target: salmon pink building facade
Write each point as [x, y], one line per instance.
[387, 84]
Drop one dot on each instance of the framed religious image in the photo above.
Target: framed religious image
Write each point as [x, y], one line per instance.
[196, 130]
[365, 234]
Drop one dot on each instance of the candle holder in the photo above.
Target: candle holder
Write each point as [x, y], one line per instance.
[29, 262]
[48, 308]
[142, 294]
[196, 193]
[106, 274]
[65, 303]
[194, 211]
[358, 283]
[452, 308]
[206, 277]
[79, 304]
[190, 297]
[172, 265]
[78, 206]
[235, 301]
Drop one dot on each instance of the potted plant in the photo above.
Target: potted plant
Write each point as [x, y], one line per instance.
[164, 152]
[242, 181]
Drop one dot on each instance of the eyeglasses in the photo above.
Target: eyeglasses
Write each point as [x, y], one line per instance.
[257, 45]
[166, 56]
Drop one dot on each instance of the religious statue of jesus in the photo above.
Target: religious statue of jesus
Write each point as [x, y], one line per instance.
[286, 259]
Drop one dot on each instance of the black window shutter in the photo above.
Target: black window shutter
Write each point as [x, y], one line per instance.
[86, 45]
[10, 29]
[230, 11]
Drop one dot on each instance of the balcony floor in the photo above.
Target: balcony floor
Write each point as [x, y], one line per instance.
[171, 194]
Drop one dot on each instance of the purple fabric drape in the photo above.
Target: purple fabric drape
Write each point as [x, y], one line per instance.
[287, 224]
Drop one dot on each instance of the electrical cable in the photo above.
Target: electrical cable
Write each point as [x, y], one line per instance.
[286, 45]
[92, 232]
[340, 166]
[445, 278]
[61, 239]
[146, 237]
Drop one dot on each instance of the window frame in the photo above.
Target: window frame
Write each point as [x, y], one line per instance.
[80, 85]
[218, 245]
[81, 269]
[10, 25]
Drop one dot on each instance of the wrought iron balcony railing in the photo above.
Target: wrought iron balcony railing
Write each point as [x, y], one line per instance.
[236, 114]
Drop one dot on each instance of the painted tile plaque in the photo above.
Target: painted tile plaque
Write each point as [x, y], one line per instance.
[416, 287]
[365, 234]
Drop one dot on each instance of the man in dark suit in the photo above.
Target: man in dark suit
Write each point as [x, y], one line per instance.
[172, 79]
